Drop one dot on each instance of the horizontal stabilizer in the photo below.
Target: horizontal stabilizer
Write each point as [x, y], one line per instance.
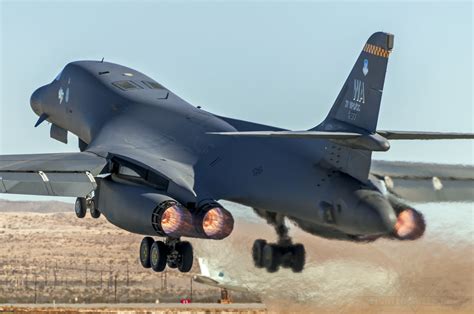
[370, 142]
[408, 135]
[373, 142]
[390, 135]
[293, 134]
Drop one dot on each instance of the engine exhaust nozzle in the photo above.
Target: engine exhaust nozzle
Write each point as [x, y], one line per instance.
[214, 221]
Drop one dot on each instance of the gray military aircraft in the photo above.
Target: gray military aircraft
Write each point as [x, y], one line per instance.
[153, 164]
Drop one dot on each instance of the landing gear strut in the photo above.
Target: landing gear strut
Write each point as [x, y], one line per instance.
[173, 252]
[283, 253]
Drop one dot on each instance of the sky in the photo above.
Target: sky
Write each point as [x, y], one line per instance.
[278, 63]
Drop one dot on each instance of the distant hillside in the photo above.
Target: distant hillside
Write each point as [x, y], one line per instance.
[35, 206]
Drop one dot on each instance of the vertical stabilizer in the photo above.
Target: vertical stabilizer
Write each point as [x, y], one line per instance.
[357, 105]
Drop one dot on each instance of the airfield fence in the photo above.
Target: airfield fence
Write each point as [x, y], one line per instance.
[116, 281]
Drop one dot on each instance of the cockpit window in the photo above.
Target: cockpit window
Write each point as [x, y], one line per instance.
[126, 85]
[58, 77]
[152, 85]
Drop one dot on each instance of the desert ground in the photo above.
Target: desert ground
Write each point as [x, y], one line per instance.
[47, 255]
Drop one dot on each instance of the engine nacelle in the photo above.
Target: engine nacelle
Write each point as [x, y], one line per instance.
[144, 210]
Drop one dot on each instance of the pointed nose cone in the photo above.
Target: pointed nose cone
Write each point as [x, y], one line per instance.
[35, 101]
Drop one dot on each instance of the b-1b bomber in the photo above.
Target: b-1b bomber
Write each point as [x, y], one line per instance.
[155, 165]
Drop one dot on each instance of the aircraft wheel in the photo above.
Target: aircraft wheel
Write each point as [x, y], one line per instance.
[257, 252]
[271, 257]
[185, 253]
[80, 207]
[145, 247]
[95, 213]
[158, 256]
[298, 258]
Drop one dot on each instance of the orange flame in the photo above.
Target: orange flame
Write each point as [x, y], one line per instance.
[213, 222]
[410, 225]
[171, 219]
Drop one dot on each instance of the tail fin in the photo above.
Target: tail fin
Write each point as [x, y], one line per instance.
[356, 108]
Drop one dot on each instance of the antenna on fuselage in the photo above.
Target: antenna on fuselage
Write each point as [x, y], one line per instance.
[102, 61]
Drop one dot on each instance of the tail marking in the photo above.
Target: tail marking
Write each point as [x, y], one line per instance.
[376, 50]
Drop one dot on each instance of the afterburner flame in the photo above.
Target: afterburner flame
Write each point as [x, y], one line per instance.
[213, 221]
[410, 225]
[172, 219]
[217, 223]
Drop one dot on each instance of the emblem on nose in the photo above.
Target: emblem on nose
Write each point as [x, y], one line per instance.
[60, 95]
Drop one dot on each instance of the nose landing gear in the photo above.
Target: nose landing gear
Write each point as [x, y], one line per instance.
[283, 253]
[173, 252]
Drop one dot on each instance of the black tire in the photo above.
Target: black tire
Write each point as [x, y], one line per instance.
[80, 207]
[145, 247]
[185, 256]
[257, 252]
[271, 257]
[95, 213]
[298, 258]
[158, 256]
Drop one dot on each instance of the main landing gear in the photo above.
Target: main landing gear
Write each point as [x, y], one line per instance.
[173, 252]
[283, 253]
[82, 204]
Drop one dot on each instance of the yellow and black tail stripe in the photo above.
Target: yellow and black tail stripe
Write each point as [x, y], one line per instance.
[376, 50]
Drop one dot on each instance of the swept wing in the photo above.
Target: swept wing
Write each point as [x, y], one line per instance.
[56, 174]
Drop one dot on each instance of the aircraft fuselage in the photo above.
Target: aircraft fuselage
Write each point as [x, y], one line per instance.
[300, 179]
